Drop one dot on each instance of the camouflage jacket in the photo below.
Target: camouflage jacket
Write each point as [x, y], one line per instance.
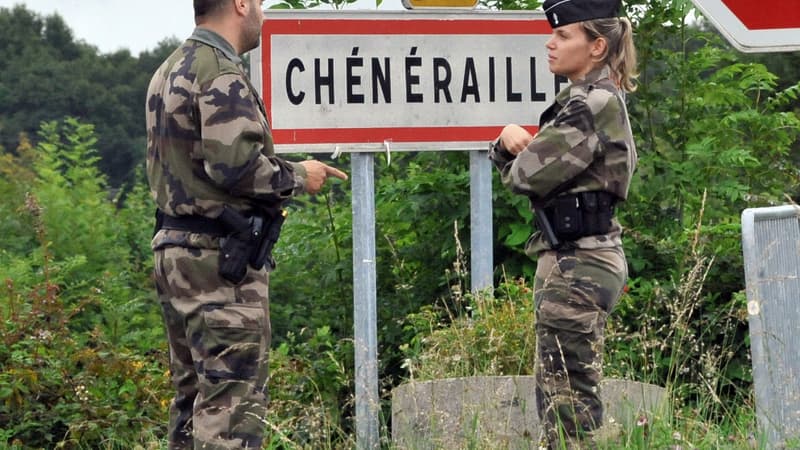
[584, 143]
[208, 140]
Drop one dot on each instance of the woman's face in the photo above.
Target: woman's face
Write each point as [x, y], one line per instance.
[570, 53]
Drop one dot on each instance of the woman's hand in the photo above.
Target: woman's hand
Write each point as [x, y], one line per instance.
[514, 138]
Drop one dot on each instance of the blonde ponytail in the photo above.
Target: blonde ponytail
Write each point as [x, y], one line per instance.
[621, 53]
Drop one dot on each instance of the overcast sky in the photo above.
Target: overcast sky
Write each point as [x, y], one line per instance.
[137, 25]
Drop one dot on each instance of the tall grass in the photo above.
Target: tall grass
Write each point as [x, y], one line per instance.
[710, 403]
[472, 334]
[468, 334]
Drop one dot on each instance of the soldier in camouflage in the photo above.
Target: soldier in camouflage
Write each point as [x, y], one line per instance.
[209, 148]
[575, 170]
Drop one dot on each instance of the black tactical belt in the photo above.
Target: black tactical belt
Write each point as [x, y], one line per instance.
[192, 224]
[573, 216]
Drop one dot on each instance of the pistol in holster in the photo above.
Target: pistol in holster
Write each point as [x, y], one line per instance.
[249, 241]
[543, 223]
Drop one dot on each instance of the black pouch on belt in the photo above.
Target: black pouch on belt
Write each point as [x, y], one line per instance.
[238, 245]
[567, 218]
[234, 254]
[598, 209]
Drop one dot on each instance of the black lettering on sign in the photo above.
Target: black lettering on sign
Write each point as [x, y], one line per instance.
[320, 80]
[470, 86]
[296, 99]
[441, 84]
[371, 75]
[511, 96]
[491, 79]
[354, 80]
[559, 80]
[380, 77]
[412, 79]
[535, 96]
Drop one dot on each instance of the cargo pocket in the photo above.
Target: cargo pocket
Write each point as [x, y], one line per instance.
[233, 341]
[569, 337]
[562, 316]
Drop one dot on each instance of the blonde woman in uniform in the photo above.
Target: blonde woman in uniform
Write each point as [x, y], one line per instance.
[576, 171]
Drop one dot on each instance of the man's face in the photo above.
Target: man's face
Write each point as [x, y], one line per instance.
[251, 31]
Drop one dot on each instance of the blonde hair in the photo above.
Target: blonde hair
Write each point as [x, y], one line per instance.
[620, 52]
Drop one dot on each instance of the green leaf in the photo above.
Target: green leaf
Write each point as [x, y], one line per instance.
[519, 234]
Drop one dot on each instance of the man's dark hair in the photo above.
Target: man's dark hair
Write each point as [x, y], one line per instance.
[206, 7]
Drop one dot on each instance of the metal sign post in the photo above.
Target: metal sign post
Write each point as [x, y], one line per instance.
[771, 247]
[481, 235]
[365, 301]
[369, 82]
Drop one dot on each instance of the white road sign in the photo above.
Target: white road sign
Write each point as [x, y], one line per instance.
[416, 79]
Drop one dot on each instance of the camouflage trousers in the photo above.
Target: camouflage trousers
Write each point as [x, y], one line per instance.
[219, 337]
[574, 291]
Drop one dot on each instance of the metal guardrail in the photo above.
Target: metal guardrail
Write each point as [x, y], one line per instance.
[771, 247]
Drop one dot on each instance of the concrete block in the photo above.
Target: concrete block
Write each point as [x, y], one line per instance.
[497, 412]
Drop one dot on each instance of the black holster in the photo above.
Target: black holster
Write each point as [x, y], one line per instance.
[271, 231]
[245, 239]
[573, 216]
[249, 242]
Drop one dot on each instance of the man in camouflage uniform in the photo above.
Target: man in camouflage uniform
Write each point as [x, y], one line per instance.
[209, 148]
[576, 168]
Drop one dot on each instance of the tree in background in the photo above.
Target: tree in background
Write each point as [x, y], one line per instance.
[47, 75]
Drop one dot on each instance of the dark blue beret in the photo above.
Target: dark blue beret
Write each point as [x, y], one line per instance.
[565, 12]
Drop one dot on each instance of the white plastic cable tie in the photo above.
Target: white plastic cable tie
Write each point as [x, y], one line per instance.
[388, 152]
[336, 152]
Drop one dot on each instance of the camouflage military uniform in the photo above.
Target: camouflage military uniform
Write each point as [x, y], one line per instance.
[584, 144]
[209, 145]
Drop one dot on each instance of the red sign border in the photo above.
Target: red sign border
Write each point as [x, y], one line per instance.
[744, 38]
[759, 17]
[385, 26]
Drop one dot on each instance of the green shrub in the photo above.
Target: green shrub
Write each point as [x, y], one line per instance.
[491, 335]
[310, 391]
[65, 389]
